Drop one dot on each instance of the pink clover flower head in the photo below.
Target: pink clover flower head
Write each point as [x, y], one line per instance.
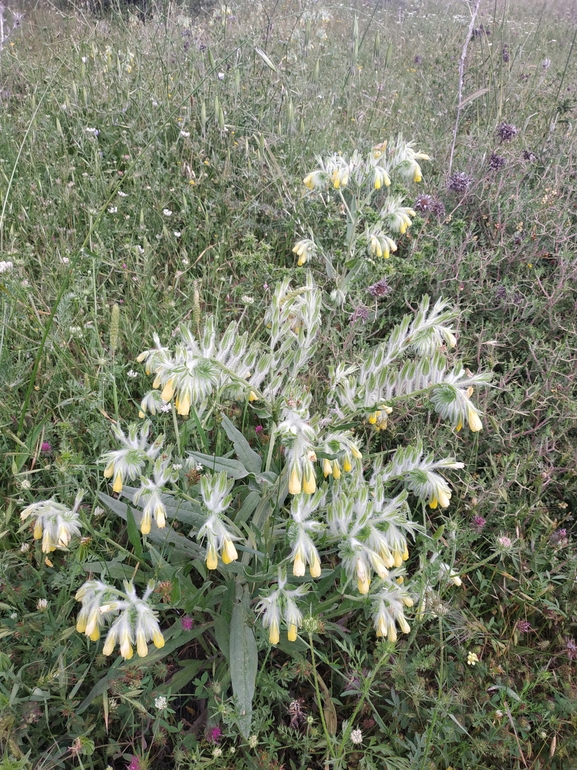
[478, 523]
[46, 447]
[214, 734]
[134, 764]
[186, 623]
[259, 429]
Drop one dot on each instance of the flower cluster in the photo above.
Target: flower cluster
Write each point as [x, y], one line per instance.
[135, 622]
[361, 176]
[215, 490]
[280, 606]
[128, 462]
[55, 524]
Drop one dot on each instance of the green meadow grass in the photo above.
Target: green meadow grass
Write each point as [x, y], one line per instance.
[157, 165]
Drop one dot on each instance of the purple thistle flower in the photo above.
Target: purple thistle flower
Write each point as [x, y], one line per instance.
[459, 182]
[423, 203]
[361, 313]
[380, 288]
[506, 131]
[496, 162]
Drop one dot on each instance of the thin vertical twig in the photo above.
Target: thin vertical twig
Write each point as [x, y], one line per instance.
[474, 12]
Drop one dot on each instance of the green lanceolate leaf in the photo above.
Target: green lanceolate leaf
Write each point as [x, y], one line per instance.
[251, 460]
[243, 661]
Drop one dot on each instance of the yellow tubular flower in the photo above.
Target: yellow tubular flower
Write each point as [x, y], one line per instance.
[38, 530]
[295, 481]
[433, 503]
[252, 396]
[168, 391]
[183, 406]
[117, 486]
[363, 586]
[336, 470]
[95, 635]
[211, 557]
[347, 467]
[392, 631]
[81, 624]
[292, 633]
[327, 468]
[381, 626]
[298, 565]
[109, 470]
[141, 646]
[444, 498]
[308, 181]
[145, 524]
[309, 482]
[160, 517]
[274, 633]
[315, 566]
[373, 418]
[158, 639]
[229, 552]
[126, 648]
[109, 646]
[475, 423]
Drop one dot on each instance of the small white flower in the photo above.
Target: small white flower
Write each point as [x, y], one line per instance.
[199, 467]
[25, 547]
[253, 741]
[185, 261]
[84, 59]
[356, 737]
[92, 131]
[132, 374]
[221, 75]
[167, 212]
[65, 260]
[25, 484]
[112, 210]
[161, 702]
[472, 659]
[5, 267]
[42, 604]
[13, 615]
[123, 194]
[186, 134]
[165, 408]
[247, 300]
[217, 752]
[177, 234]
[177, 467]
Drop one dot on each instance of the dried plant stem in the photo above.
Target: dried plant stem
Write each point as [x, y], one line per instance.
[474, 12]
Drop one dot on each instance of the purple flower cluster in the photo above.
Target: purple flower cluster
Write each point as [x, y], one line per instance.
[426, 204]
[459, 182]
[380, 288]
[507, 131]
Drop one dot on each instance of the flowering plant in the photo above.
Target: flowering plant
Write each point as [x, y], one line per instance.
[304, 518]
[374, 217]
